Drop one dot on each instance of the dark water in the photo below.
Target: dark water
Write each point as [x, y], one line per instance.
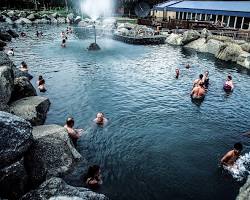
[158, 144]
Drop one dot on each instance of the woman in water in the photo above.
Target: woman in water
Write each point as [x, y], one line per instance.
[41, 84]
[93, 178]
[228, 85]
[177, 73]
[24, 67]
[100, 119]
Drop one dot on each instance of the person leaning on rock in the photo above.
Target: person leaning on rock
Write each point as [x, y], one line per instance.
[74, 134]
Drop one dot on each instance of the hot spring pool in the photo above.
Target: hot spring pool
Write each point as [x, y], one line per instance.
[158, 144]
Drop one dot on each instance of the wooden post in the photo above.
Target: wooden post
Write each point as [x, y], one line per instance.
[242, 23]
[228, 21]
[235, 22]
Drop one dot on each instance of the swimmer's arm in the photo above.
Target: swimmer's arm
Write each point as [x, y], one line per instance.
[192, 92]
[73, 133]
[226, 158]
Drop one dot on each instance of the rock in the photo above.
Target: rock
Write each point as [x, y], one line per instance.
[55, 187]
[11, 13]
[52, 154]
[33, 109]
[205, 33]
[70, 18]
[13, 180]
[197, 45]
[246, 47]
[23, 21]
[22, 14]
[244, 193]
[5, 36]
[2, 18]
[61, 20]
[31, 17]
[22, 88]
[174, 39]
[244, 59]
[9, 21]
[2, 44]
[4, 107]
[18, 73]
[5, 60]
[55, 15]
[189, 36]
[15, 138]
[6, 83]
[53, 20]
[77, 19]
[12, 33]
[41, 21]
[230, 52]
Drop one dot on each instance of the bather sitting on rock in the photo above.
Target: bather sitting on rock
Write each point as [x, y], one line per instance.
[198, 81]
[74, 134]
[93, 178]
[228, 85]
[10, 52]
[41, 84]
[206, 79]
[230, 158]
[198, 92]
[100, 119]
[177, 73]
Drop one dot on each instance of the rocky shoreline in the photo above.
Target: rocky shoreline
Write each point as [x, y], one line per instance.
[33, 157]
[223, 48]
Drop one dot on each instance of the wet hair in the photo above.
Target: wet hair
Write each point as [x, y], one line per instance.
[238, 146]
[40, 78]
[229, 77]
[92, 171]
[70, 122]
[41, 82]
[12, 49]
[201, 76]
[24, 64]
[63, 41]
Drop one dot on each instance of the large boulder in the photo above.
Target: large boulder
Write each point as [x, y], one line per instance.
[246, 47]
[9, 21]
[197, 45]
[41, 21]
[230, 52]
[31, 17]
[213, 46]
[6, 83]
[174, 39]
[77, 19]
[15, 138]
[56, 187]
[11, 13]
[52, 154]
[5, 36]
[22, 88]
[33, 109]
[205, 33]
[244, 193]
[55, 15]
[189, 36]
[14, 179]
[70, 18]
[5, 60]
[23, 21]
[12, 33]
[244, 59]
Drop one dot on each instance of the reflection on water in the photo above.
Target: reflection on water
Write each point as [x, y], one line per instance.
[158, 144]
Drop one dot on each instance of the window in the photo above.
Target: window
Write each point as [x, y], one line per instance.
[231, 24]
[246, 23]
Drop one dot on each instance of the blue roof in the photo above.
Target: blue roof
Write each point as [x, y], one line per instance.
[166, 4]
[232, 8]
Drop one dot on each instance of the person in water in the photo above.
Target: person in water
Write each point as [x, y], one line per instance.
[198, 81]
[188, 66]
[23, 34]
[24, 67]
[228, 85]
[93, 178]
[206, 79]
[11, 52]
[74, 134]
[63, 43]
[100, 119]
[198, 92]
[41, 84]
[230, 157]
[177, 73]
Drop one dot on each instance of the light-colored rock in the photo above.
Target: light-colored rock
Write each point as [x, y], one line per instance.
[174, 39]
[205, 33]
[23, 21]
[31, 17]
[52, 153]
[198, 45]
[55, 15]
[246, 47]
[33, 109]
[244, 59]
[77, 19]
[213, 47]
[244, 193]
[15, 138]
[9, 21]
[55, 187]
[61, 20]
[189, 36]
[41, 21]
[5, 60]
[53, 20]
[6, 83]
[11, 13]
[230, 52]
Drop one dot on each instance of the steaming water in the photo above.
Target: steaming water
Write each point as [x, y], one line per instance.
[158, 144]
[96, 8]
